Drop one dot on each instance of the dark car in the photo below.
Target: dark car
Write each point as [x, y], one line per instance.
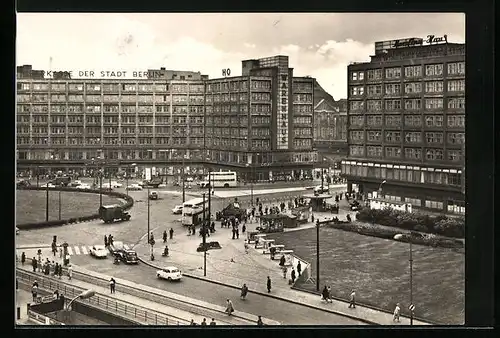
[154, 182]
[110, 213]
[125, 255]
[61, 181]
[22, 183]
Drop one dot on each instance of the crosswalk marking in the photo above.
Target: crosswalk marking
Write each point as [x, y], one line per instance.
[70, 251]
[77, 250]
[84, 250]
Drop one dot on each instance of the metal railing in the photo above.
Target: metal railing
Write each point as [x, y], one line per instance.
[119, 307]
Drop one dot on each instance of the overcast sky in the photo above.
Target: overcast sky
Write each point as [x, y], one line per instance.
[319, 45]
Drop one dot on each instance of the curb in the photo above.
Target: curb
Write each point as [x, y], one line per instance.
[268, 295]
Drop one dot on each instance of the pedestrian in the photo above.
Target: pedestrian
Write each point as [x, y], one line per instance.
[268, 284]
[23, 258]
[292, 275]
[105, 241]
[237, 233]
[165, 236]
[192, 323]
[112, 285]
[229, 307]
[352, 301]
[70, 272]
[324, 294]
[213, 323]
[34, 264]
[397, 312]
[246, 246]
[312, 218]
[56, 269]
[259, 321]
[243, 228]
[234, 233]
[282, 260]
[244, 291]
[204, 322]
[171, 233]
[34, 291]
[60, 271]
[299, 268]
[285, 270]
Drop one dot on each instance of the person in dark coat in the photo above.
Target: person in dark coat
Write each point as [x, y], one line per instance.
[268, 284]
[282, 260]
[234, 233]
[112, 285]
[34, 264]
[299, 268]
[243, 228]
[105, 241]
[23, 258]
[165, 236]
[259, 321]
[292, 275]
[204, 322]
[171, 233]
[213, 323]
[237, 233]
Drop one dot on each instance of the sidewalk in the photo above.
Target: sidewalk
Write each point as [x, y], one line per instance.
[231, 266]
[23, 297]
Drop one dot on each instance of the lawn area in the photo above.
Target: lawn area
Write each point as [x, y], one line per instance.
[30, 205]
[379, 271]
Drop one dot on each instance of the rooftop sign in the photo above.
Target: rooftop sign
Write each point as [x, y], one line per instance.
[381, 46]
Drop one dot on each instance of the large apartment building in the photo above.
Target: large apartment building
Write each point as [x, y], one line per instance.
[406, 123]
[259, 124]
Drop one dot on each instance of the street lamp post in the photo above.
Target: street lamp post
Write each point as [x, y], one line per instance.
[380, 187]
[317, 255]
[59, 204]
[183, 184]
[84, 295]
[37, 176]
[204, 236]
[47, 203]
[100, 189]
[148, 215]
[411, 278]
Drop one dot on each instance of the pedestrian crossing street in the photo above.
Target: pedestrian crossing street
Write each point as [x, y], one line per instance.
[72, 250]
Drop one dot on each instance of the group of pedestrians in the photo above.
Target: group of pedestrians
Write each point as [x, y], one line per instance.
[108, 240]
[170, 235]
[293, 274]
[203, 323]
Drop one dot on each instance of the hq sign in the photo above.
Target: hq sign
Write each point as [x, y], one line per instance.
[431, 39]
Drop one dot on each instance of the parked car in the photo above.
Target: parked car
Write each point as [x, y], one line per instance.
[169, 273]
[134, 186]
[321, 189]
[115, 184]
[84, 186]
[153, 195]
[75, 183]
[99, 251]
[177, 210]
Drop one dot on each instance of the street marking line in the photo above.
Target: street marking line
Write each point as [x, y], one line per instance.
[70, 251]
[77, 250]
[84, 250]
[126, 246]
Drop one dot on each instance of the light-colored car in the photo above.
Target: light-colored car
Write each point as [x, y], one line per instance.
[169, 273]
[106, 185]
[84, 186]
[321, 189]
[189, 179]
[177, 210]
[50, 185]
[134, 186]
[99, 251]
[115, 184]
[75, 183]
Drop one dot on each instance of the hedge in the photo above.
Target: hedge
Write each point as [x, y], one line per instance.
[441, 225]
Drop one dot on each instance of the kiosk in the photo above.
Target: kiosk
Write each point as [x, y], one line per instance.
[318, 201]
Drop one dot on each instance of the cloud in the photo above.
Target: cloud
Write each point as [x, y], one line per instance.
[249, 45]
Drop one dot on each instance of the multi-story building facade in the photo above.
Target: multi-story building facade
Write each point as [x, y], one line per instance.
[330, 128]
[406, 124]
[169, 118]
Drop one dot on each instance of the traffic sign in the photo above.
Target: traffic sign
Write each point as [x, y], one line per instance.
[411, 307]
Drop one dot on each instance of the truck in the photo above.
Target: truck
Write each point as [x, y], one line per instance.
[128, 256]
[154, 182]
[63, 181]
[110, 213]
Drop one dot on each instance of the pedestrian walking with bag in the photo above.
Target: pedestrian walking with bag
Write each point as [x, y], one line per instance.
[229, 307]
[352, 300]
[397, 312]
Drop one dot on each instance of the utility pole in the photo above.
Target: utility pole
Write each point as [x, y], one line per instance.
[47, 203]
[100, 189]
[411, 278]
[251, 186]
[183, 187]
[37, 176]
[204, 236]
[209, 199]
[317, 255]
[59, 204]
[148, 216]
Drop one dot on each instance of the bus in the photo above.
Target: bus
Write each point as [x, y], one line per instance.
[193, 210]
[220, 179]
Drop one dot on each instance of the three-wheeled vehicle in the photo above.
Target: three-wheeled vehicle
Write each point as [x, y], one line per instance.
[110, 213]
[276, 223]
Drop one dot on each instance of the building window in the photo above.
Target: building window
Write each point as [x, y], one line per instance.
[392, 105]
[357, 135]
[413, 137]
[374, 89]
[456, 121]
[374, 120]
[356, 150]
[434, 70]
[413, 120]
[434, 205]
[357, 90]
[413, 87]
[413, 71]
[393, 121]
[456, 103]
[454, 155]
[413, 154]
[434, 87]
[357, 120]
[374, 74]
[393, 73]
[456, 68]
[393, 136]
[357, 76]
[413, 201]
[434, 154]
[393, 89]
[413, 104]
[456, 138]
[356, 105]
[393, 152]
[456, 85]
[433, 103]
[434, 121]
[373, 136]
[436, 138]
[374, 151]
[374, 105]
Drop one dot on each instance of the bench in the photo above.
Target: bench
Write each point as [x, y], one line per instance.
[279, 248]
[267, 242]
